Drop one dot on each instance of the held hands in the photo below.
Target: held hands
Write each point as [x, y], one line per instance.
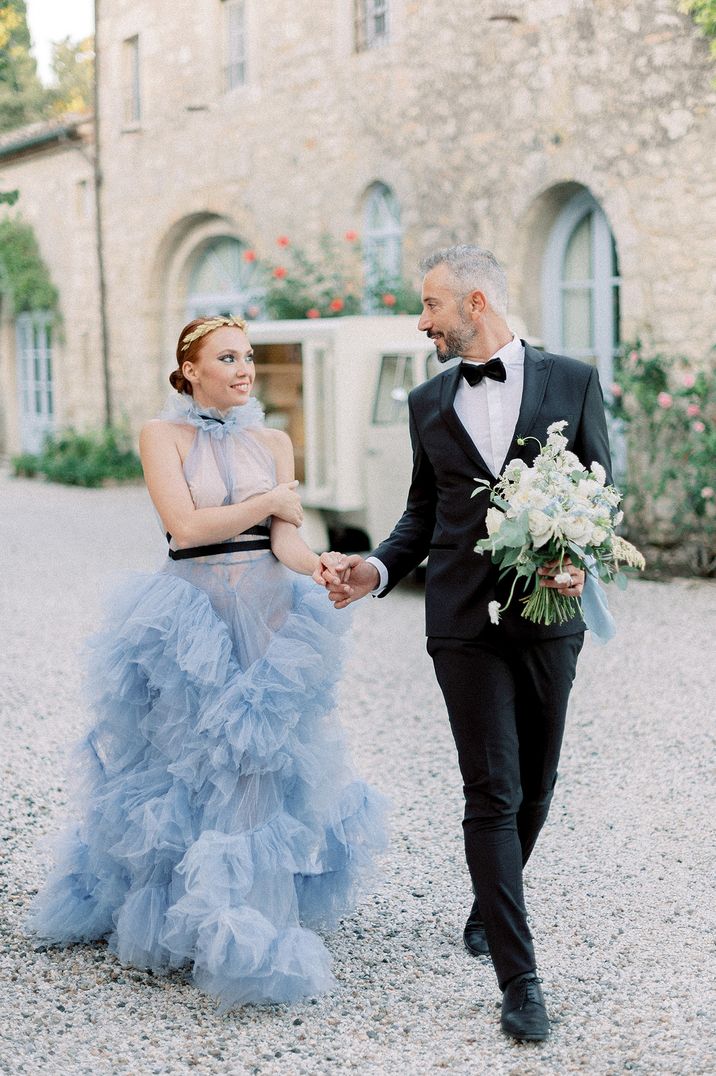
[568, 579]
[287, 503]
[347, 578]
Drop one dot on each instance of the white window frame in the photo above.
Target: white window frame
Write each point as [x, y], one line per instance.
[382, 245]
[236, 50]
[132, 96]
[600, 284]
[35, 386]
[367, 16]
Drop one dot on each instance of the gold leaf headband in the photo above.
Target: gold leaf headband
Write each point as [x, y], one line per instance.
[209, 325]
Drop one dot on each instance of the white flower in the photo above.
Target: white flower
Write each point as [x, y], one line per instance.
[541, 527]
[572, 462]
[494, 521]
[557, 427]
[563, 579]
[493, 609]
[599, 473]
[577, 529]
[599, 535]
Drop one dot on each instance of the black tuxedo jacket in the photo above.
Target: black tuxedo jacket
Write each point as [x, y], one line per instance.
[443, 522]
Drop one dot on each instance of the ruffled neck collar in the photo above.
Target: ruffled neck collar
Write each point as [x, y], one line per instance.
[183, 408]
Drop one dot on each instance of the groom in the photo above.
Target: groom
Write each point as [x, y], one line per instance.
[505, 686]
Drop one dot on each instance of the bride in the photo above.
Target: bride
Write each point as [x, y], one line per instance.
[220, 820]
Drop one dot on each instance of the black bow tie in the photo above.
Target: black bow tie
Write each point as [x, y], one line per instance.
[473, 372]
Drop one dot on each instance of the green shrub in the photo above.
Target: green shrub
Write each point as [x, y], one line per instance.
[25, 465]
[84, 459]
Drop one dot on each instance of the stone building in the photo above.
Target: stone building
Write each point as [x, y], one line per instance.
[50, 367]
[574, 138]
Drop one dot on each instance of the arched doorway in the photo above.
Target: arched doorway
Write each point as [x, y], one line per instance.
[580, 286]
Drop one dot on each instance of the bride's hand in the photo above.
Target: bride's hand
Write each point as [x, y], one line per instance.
[286, 503]
[331, 569]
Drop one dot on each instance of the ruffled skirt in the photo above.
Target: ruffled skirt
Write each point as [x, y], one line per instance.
[221, 819]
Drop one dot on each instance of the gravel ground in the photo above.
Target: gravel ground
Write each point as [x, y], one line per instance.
[620, 890]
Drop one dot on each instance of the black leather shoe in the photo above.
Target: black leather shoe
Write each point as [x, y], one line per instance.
[474, 934]
[524, 1015]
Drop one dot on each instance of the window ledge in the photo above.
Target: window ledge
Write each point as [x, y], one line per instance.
[130, 128]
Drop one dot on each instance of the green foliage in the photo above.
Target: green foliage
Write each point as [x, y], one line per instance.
[73, 68]
[668, 412]
[703, 12]
[83, 459]
[24, 269]
[329, 285]
[23, 98]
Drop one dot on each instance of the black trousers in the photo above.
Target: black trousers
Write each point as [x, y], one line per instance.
[507, 701]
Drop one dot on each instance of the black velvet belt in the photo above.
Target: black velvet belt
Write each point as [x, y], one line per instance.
[218, 548]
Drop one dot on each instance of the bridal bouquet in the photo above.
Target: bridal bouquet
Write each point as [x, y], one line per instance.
[554, 510]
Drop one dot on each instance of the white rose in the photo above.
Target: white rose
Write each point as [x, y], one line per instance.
[577, 529]
[599, 535]
[540, 526]
[494, 520]
[493, 609]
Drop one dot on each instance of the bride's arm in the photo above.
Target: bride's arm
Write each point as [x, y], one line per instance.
[190, 526]
[287, 545]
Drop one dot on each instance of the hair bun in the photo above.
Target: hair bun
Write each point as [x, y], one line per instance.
[179, 382]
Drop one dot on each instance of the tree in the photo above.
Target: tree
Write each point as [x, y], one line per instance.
[73, 67]
[23, 98]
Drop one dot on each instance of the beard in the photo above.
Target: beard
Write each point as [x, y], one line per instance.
[455, 341]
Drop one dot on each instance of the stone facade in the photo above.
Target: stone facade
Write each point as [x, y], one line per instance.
[51, 167]
[485, 119]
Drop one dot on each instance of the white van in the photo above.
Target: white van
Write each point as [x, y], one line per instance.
[339, 387]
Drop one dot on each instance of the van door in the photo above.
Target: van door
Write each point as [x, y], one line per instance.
[389, 458]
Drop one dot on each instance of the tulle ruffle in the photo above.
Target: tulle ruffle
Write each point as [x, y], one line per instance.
[222, 817]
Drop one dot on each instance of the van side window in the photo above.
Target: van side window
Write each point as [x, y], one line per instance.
[396, 380]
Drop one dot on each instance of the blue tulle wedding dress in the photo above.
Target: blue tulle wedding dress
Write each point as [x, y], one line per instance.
[220, 819]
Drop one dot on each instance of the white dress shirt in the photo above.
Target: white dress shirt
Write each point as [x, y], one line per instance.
[489, 412]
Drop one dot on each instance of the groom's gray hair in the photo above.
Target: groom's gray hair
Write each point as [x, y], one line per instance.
[474, 269]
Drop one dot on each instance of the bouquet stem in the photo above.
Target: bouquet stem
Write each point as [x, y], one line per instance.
[547, 606]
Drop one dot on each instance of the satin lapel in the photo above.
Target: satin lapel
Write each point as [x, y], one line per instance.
[536, 375]
[448, 389]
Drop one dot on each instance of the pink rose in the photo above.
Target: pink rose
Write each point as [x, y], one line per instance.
[664, 400]
[698, 427]
[249, 255]
[688, 381]
[388, 299]
[313, 313]
[707, 493]
[616, 390]
[351, 236]
[279, 272]
[633, 357]
[336, 305]
[283, 241]
[693, 409]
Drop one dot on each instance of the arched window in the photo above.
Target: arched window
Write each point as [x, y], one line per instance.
[382, 241]
[581, 286]
[223, 280]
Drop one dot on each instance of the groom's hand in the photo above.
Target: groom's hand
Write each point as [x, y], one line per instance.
[567, 579]
[353, 579]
